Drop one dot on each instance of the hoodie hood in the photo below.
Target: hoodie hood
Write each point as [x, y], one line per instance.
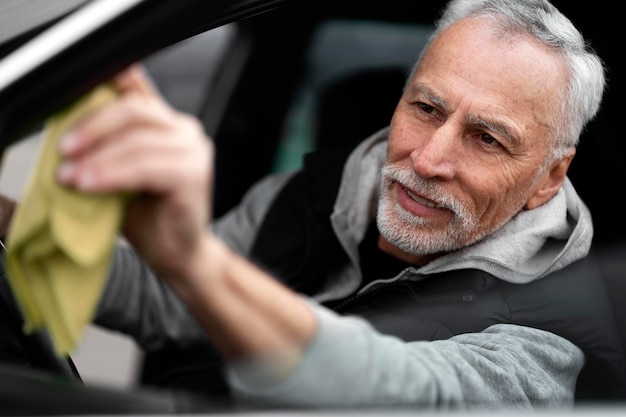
[533, 244]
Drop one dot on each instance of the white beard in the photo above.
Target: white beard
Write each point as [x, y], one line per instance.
[418, 235]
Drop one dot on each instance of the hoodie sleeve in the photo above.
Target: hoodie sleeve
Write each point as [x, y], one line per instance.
[350, 364]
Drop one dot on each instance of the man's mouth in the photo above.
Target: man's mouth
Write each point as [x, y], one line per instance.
[421, 200]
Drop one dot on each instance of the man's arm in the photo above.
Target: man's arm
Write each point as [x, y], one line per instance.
[280, 352]
[350, 364]
[136, 302]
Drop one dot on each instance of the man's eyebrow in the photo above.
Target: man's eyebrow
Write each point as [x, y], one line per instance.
[431, 95]
[494, 126]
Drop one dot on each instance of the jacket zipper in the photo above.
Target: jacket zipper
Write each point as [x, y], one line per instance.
[373, 288]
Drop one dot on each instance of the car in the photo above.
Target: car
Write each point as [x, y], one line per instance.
[277, 79]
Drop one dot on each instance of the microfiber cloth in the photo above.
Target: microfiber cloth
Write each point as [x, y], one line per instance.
[60, 241]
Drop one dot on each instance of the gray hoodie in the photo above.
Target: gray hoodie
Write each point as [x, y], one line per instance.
[348, 363]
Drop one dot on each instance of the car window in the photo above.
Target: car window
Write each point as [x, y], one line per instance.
[341, 51]
[183, 71]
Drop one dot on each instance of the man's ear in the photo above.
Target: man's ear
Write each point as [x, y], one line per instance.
[550, 183]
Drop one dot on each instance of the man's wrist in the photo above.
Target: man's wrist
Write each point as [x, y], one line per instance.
[205, 264]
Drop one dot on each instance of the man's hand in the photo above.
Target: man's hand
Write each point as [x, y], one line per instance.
[140, 145]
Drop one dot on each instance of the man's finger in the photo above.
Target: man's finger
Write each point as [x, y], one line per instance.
[139, 164]
[134, 79]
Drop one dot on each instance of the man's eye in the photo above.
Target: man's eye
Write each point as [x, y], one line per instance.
[426, 108]
[488, 139]
[429, 110]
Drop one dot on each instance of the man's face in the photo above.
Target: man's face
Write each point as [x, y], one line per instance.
[467, 140]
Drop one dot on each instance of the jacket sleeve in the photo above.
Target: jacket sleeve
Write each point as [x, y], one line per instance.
[137, 303]
[350, 364]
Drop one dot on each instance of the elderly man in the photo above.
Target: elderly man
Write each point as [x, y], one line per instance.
[441, 263]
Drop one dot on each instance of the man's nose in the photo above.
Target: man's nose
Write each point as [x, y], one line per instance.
[436, 156]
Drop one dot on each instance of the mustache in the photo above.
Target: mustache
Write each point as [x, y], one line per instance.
[429, 189]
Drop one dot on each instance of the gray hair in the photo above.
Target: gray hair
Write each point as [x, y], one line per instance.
[545, 23]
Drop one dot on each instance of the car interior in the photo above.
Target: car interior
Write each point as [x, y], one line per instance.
[270, 81]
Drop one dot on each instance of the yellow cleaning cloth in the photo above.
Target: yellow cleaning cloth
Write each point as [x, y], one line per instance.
[61, 241]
